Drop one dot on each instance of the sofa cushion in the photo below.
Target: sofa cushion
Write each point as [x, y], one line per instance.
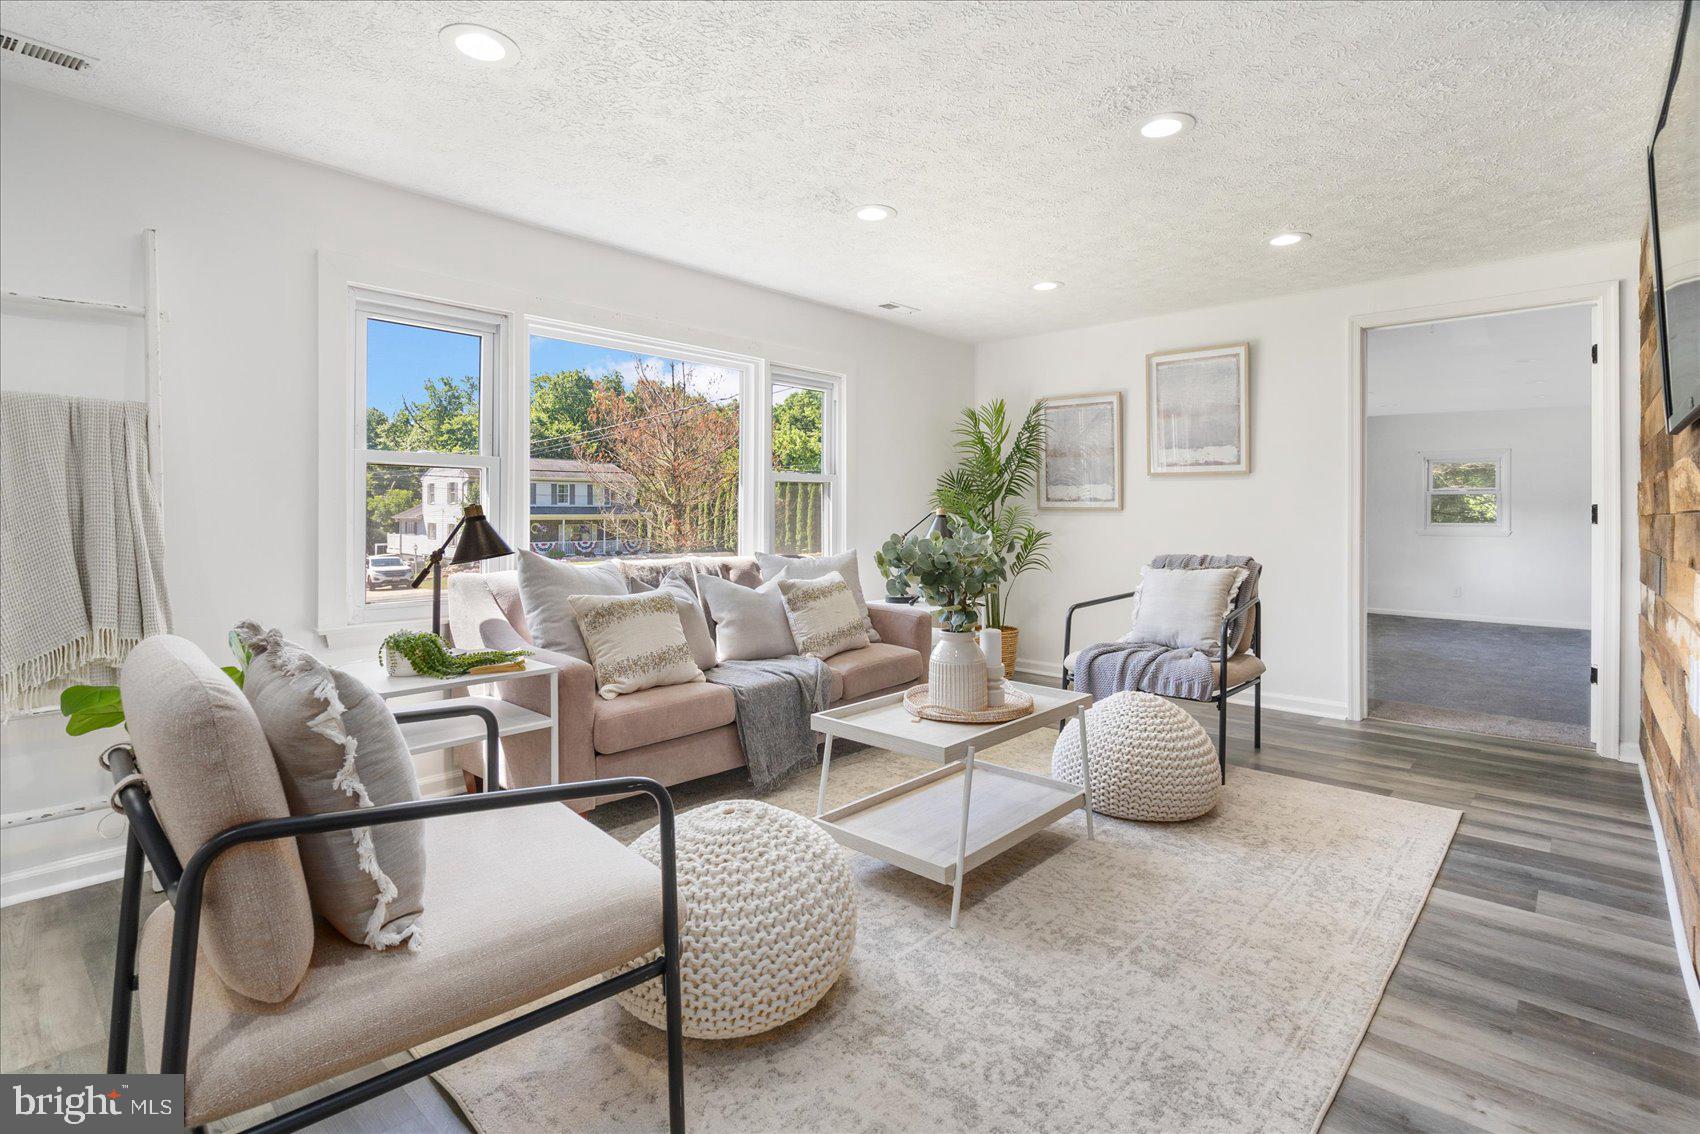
[681, 584]
[208, 767]
[817, 567]
[636, 642]
[538, 900]
[663, 713]
[338, 748]
[824, 615]
[546, 588]
[749, 624]
[874, 667]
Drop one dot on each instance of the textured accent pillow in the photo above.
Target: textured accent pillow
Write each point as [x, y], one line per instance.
[636, 641]
[824, 616]
[819, 567]
[749, 622]
[338, 748]
[692, 618]
[545, 588]
[1184, 607]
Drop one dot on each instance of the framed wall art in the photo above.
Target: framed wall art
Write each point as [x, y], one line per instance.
[1082, 466]
[1198, 411]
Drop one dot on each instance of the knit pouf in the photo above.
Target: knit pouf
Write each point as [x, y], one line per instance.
[1150, 759]
[767, 911]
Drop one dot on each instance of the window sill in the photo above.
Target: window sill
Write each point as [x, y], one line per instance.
[367, 636]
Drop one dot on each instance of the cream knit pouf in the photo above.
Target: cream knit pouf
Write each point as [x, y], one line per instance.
[767, 909]
[1150, 759]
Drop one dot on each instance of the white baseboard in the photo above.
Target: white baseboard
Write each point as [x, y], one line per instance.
[73, 872]
[1454, 616]
[1684, 957]
[1279, 702]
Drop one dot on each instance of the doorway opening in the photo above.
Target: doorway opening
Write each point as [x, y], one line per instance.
[1481, 597]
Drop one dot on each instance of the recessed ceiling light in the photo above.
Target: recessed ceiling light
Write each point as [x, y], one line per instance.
[1284, 239]
[1168, 125]
[1046, 285]
[480, 44]
[875, 212]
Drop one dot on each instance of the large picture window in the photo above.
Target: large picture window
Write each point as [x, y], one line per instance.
[803, 462]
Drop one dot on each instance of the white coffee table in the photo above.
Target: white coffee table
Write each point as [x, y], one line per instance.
[943, 824]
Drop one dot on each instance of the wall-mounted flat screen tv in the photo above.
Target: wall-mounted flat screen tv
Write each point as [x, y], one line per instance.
[1673, 182]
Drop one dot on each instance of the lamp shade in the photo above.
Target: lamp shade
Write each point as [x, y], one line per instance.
[940, 526]
[478, 540]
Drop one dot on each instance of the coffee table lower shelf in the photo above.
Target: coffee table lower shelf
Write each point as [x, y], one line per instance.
[915, 824]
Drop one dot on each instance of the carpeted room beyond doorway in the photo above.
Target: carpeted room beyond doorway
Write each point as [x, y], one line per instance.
[1523, 682]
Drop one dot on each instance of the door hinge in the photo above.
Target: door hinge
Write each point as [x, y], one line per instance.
[1594, 353]
[1593, 675]
[1593, 513]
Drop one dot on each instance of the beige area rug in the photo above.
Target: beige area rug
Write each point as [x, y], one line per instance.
[1207, 976]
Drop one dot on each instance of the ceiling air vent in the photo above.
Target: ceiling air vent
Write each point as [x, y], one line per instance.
[46, 52]
[900, 308]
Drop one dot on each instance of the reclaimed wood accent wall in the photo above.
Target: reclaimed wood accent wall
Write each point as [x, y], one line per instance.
[1668, 500]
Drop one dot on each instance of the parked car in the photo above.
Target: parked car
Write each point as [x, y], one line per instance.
[387, 571]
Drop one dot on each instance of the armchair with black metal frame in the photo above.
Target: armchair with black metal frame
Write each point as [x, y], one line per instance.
[184, 886]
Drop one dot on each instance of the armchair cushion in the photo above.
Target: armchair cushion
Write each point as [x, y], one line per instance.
[1240, 632]
[1184, 607]
[538, 900]
[208, 767]
[1241, 668]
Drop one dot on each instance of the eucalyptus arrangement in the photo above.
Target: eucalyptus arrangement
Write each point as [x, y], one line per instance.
[954, 573]
[430, 656]
[90, 707]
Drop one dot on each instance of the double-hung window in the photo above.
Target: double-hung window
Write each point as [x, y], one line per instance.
[803, 463]
[1467, 493]
[424, 378]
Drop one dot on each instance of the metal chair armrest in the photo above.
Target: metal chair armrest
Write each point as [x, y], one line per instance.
[492, 731]
[1068, 620]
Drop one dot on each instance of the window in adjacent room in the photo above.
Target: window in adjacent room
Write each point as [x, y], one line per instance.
[1466, 493]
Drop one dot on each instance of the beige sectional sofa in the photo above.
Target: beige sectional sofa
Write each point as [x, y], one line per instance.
[674, 733]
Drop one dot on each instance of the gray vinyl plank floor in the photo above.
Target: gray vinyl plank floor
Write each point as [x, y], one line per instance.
[1539, 991]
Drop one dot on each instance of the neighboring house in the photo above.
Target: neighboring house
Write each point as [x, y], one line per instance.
[586, 503]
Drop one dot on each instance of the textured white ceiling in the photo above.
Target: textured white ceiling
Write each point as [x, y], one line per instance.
[735, 137]
[1524, 360]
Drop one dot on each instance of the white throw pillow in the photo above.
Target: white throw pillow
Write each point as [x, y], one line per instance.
[823, 614]
[636, 642]
[546, 588]
[749, 623]
[1184, 607]
[818, 567]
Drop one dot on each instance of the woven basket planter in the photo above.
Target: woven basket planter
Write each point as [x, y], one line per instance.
[1150, 759]
[767, 919]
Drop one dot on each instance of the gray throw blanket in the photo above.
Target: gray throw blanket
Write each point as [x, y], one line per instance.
[82, 554]
[774, 699]
[1110, 667]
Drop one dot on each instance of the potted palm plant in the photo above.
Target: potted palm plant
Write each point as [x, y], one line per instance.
[988, 490]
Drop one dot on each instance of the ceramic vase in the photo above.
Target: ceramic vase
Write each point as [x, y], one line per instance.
[956, 672]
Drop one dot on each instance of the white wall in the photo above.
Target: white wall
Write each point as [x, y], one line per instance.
[240, 230]
[1291, 511]
[1537, 574]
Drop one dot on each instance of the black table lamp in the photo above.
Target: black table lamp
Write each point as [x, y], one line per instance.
[940, 527]
[478, 542]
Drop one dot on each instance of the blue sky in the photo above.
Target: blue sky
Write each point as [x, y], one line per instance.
[399, 358]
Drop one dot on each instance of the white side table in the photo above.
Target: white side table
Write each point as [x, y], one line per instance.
[511, 719]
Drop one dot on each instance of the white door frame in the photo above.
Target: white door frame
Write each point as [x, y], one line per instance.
[1607, 478]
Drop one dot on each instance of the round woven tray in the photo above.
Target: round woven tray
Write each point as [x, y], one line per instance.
[1016, 704]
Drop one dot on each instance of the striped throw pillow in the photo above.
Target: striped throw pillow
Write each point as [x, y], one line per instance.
[824, 615]
[636, 642]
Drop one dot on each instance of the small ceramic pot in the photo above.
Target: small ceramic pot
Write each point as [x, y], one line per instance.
[956, 672]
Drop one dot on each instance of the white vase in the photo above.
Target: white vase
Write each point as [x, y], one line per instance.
[956, 673]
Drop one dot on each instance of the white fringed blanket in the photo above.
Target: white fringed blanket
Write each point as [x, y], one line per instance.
[82, 567]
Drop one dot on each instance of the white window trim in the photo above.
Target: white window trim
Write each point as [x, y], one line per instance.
[1500, 457]
[833, 537]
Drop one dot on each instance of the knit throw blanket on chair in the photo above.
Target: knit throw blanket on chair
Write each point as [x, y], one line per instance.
[1111, 667]
[82, 554]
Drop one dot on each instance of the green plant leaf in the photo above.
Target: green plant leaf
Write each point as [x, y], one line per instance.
[89, 698]
[79, 723]
[234, 674]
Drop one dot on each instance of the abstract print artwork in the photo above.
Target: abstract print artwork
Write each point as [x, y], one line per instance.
[1198, 411]
[1083, 452]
